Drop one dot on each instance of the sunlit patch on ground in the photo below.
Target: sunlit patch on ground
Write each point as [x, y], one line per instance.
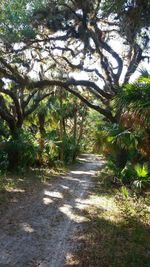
[15, 190]
[26, 227]
[70, 178]
[65, 187]
[83, 172]
[107, 207]
[53, 194]
[71, 214]
[71, 260]
[47, 200]
[86, 158]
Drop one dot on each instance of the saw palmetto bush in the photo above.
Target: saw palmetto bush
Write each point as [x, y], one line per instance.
[130, 136]
[134, 99]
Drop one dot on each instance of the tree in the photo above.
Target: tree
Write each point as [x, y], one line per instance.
[72, 45]
[68, 31]
[17, 102]
[68, 116]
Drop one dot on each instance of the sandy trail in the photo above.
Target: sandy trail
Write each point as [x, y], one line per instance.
[38, 231]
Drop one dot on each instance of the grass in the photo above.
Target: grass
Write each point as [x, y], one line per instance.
[117, 233]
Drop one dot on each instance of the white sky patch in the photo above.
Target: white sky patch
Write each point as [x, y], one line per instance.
[116, 43]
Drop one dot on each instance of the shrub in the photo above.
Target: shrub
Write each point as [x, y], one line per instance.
[18, 153]
[142, 177]
[70, 149]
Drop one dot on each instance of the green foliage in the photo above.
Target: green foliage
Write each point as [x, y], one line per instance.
[124, 191]
[142, 176]
[50, 153]
[127, 139]
[93, 141]
[4, 162]
[15, 21]
[114, 137]
[112, 6]
[135, 97]
[133, 16]
[20, 152]
[70, 149]
[135, 176]
[127, 174]
[141, 170]
[52, 133]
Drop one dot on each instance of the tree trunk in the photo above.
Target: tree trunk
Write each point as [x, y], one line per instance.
[41, 119]
[61, 156]
[61, 127]
[121, 158]
[122, 154]
[13, 149]
[75, 133]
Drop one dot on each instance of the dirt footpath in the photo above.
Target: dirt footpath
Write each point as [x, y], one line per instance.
[38, 230]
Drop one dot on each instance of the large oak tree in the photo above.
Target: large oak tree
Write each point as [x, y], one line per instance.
[89, 48]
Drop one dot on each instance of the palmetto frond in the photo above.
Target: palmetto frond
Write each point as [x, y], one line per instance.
[134, 99]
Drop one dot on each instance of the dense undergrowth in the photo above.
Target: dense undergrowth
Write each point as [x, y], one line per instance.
[50, 137]
[126, 144]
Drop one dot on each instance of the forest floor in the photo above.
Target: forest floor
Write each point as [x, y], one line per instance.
[73, 219]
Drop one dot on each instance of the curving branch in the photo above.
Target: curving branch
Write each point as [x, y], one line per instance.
[34, 106]
[137, 58]
[41, 41]
[117, 58]
[105, 64]
[30, 96]
[16, 103]
[92, 87]
[106, 112]
[82, 68]
[46, 83]
[5, 115]
[13, 72]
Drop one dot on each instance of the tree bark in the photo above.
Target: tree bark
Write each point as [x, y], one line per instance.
[41, 119]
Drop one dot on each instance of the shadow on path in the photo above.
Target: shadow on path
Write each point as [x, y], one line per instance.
[38, 230]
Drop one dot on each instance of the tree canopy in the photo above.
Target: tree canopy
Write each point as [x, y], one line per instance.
[90, 49]
[87, 47]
